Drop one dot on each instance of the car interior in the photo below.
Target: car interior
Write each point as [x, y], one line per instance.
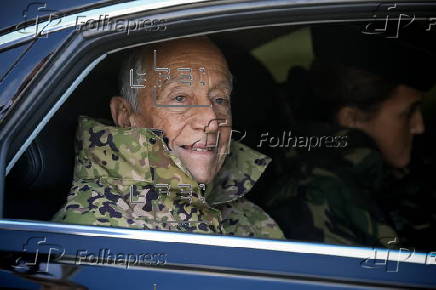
[37, 186]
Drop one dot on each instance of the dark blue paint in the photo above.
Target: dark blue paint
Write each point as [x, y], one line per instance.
[24, 70]
[13, 11]
[241, 259]
[9, 57]
[9, 280]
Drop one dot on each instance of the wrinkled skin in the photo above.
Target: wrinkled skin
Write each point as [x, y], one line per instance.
[198, 136]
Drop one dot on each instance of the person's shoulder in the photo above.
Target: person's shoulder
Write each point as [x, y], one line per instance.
[244, 218]
[96, 202]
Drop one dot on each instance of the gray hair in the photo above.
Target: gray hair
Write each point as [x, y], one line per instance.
[135, 61]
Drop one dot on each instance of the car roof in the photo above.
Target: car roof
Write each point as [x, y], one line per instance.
[21, 11]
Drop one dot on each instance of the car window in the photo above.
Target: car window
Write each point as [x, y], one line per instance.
[278, 60]
[302, 161]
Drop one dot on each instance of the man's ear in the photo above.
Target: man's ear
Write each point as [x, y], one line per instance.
[350, 117]
[121, 111]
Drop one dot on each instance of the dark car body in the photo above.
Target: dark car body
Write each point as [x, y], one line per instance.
[45, 55]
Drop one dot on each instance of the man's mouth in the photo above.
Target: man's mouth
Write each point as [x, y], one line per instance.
[199, 148]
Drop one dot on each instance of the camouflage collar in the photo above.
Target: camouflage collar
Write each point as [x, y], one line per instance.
[358, 159]
[140, 155]
[241, 169]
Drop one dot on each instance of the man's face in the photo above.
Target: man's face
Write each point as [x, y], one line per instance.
[192, 106]
[394, 125]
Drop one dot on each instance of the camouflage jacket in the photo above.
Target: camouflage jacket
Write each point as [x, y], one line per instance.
[329, 194]
[409, 200]
[127, 177]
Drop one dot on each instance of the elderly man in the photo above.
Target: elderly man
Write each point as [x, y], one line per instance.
[182, 175]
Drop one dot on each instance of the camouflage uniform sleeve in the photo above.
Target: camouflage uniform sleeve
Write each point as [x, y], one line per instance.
[409, 202]
[244, 218]
[327, 210]
[89, 203]
[346, 215]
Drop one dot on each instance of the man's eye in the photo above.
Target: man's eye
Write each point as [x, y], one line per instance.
[179, 99]
[220, 101]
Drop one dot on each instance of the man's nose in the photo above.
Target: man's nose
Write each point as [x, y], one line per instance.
[206, 119]
[417, 126]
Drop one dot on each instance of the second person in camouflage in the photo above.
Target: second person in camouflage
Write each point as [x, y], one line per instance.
[333, 194]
